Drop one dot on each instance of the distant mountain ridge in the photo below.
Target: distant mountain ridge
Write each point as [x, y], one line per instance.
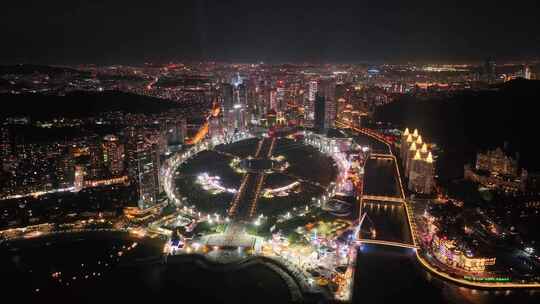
[34, 68]
[80, 104]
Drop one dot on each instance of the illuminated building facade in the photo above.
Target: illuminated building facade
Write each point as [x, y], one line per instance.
[496, 162]
[310, 104]
[143, 160]
[527, 73]
[449, 253]
[494, 169]
[148, 165]
[418, 162]
[113, 154]
[65, 171]
[329, 144]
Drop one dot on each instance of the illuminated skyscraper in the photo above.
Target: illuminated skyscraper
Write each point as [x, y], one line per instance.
[113, 154]
[418, 163]
[312, 91]
[240, 108]
[143, 167]
[227, 104]
[147, 182]
[310, 104]
[78, 182]
[421, 176]
[527, 73]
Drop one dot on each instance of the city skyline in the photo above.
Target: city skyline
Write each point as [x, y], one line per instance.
[270, 152]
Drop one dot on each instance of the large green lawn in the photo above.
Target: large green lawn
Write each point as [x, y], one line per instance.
[305, 162]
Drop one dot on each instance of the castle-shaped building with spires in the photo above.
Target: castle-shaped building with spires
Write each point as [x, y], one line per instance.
[418, 163]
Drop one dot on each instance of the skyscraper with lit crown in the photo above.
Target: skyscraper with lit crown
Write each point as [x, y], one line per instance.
[417, 162]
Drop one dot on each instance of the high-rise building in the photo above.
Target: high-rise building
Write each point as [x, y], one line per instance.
[5, 144]
[227, 96]
[96, 160]
[273, 100]
[78, 182]
[113, 154]
[240, 95]
[527, 73]
[280, 99]
[227, 103]
[310, 103]
[341, 102]
[417, 162]
[489, 72]
[143, 165]
[235, 105]
[320, 113]
[176, 132]
[327, 89]
[65, 171]
[147, 182]
[312, 91]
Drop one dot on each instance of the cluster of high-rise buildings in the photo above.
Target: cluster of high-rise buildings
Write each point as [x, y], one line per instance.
[131, 157]
[317, 97]
[293, 97]
[418, 163]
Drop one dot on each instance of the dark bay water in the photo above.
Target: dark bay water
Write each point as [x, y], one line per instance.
[391, 275]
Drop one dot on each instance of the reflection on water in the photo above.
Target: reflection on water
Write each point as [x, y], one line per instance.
[65, 268]
[389, 221]
[389, 275]
[380, 178]
[384, 275]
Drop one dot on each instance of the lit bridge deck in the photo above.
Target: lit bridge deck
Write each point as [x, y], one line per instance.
[387, 243]
[383, 198]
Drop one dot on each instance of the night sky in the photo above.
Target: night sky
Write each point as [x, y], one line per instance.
[98, 31]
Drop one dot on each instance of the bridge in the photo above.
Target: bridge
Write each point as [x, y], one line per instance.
[399, 200]
[387, 243]
[368, 132]
[383, 198]
[381, 156]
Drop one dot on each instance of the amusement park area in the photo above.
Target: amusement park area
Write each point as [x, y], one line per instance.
[292, 198]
